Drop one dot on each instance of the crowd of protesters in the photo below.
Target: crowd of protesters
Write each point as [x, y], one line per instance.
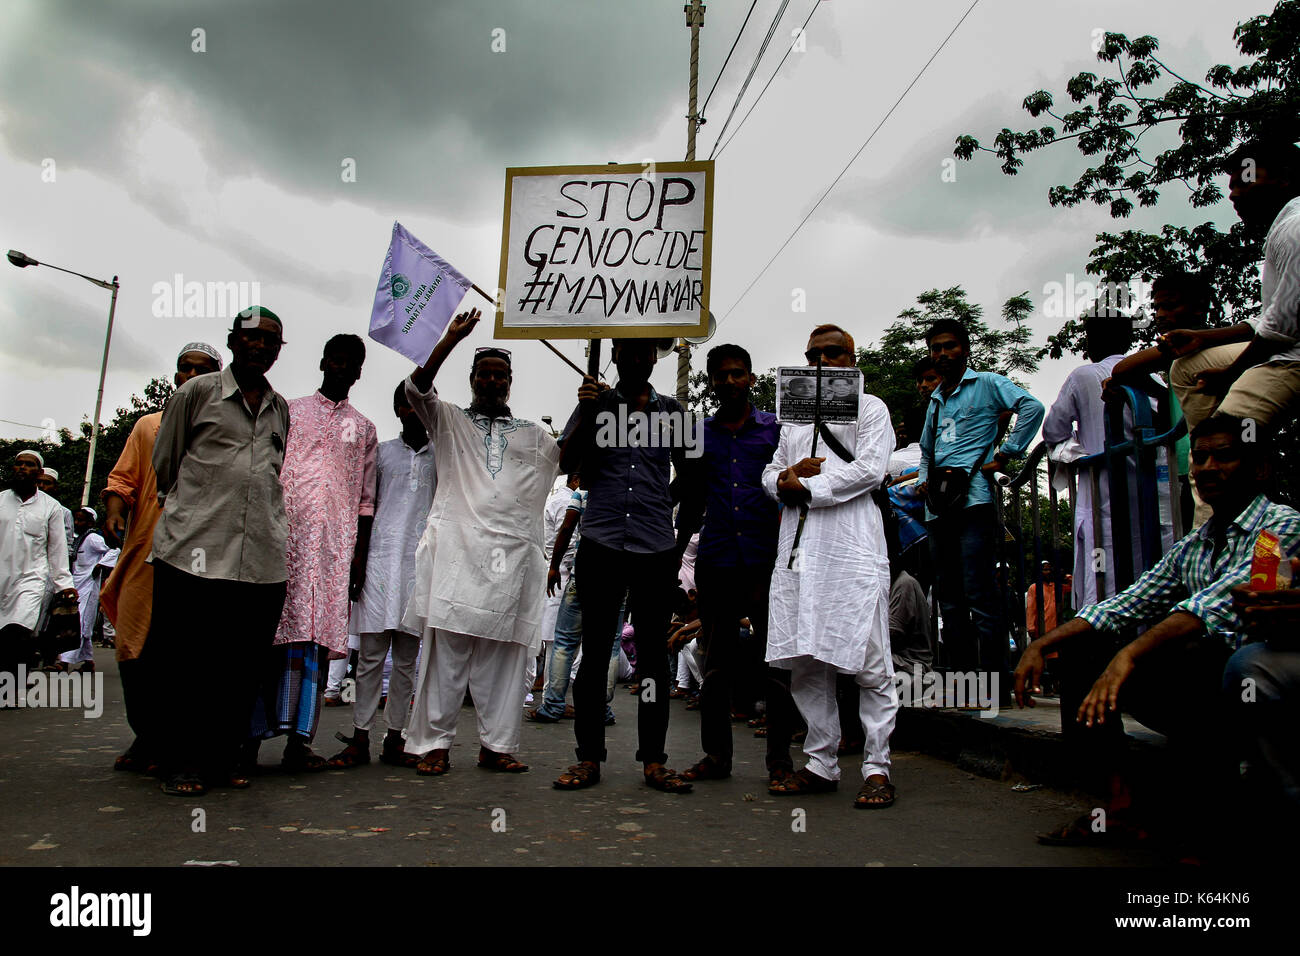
[792, 586]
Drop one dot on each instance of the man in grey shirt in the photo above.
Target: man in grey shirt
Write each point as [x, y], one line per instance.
[218, 555]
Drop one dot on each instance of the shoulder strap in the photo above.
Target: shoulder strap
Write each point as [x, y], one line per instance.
[833, 443]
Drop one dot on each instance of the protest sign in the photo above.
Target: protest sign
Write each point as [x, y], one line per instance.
[606, 251]
[796, 394]
[417, 295]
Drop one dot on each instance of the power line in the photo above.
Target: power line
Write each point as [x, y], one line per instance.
[771, 30]
[793, 43]
[851, 161]
[39, 428]
[727, 60]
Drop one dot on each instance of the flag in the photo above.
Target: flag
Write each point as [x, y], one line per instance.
[417, 296]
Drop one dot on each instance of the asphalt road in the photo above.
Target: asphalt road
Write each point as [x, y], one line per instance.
[63, 805]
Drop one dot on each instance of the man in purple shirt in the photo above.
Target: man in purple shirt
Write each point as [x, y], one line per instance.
[733, 566]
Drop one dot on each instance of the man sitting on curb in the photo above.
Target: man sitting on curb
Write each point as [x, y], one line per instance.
[1169, 677]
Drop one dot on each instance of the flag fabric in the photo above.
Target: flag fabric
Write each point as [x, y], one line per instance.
[417, 296]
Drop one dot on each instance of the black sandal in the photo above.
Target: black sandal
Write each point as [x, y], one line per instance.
[710, 768]
[184, 785]
[869, 791]
[804, 781]
[353, 755]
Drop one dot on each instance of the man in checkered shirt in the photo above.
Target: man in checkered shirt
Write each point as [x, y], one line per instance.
[1169, 676]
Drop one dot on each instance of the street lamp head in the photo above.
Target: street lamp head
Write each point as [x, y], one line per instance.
[21, 259]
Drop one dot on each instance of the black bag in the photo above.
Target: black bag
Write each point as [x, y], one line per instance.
[63, 632]
[946, 488]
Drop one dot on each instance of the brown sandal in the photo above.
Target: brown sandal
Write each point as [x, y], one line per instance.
[666, 781]
[353, 755]
[434, 764]
[499, 763]
[579, 776]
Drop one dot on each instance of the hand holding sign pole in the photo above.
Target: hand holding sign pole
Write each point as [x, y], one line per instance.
[817, 427]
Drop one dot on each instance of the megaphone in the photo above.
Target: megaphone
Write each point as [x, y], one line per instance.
[701, 339]
[664, 348]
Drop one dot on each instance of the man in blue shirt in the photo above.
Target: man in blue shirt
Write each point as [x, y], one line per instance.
[623, 440]
[961, 430]
[733, 566]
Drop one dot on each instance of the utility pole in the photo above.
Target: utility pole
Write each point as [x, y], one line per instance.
[695, 20]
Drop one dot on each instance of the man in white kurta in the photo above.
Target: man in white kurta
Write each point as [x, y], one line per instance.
[33, 550]
[829, 613]
[407, 477]
[480, 575]
[1080, 411]
[90, 551]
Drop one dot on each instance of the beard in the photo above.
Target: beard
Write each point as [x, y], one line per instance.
[491, 403]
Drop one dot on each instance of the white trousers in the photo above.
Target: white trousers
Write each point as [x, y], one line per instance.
[492, 670]
[370, 672]
[812, 685]
[334, 682]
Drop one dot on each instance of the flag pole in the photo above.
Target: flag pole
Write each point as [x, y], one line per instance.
[564, 358]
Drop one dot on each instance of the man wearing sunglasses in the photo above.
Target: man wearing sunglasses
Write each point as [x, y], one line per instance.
[480, 574]
[1169, 677]
[829, 603]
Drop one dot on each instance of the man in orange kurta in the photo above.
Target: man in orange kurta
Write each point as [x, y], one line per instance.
[127, 595]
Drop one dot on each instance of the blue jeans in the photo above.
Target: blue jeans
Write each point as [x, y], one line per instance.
[963, 548]
[559, 659]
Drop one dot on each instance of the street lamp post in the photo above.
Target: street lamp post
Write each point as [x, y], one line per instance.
[22, 261]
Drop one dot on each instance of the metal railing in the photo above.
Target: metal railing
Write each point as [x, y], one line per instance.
[1132, 456]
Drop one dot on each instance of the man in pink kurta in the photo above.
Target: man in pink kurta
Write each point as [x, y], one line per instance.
[329, 496]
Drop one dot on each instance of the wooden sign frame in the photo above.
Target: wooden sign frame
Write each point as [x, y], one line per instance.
[502, 331]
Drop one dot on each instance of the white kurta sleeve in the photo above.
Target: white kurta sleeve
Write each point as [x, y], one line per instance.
[867, 471]
[56, 550]
[425, 405]
[772, 470]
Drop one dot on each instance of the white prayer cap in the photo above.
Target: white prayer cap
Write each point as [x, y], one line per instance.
[34, 453]
[203, 347]
[91, 511]
[50, 473]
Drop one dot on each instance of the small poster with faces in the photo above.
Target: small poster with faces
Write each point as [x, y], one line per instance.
[797, 394]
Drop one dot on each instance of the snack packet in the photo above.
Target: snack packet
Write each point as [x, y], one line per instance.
[1270, 570]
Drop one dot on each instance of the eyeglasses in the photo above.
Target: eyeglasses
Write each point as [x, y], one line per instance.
[831, 352]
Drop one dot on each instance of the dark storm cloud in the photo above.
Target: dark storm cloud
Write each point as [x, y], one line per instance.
[412, 91]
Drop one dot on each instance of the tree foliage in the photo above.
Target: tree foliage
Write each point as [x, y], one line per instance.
[887, 366]
[66, 451]
[1232, 105]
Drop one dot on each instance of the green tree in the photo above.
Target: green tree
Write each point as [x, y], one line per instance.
[702, 401]
[67, 454]
[1258, 99]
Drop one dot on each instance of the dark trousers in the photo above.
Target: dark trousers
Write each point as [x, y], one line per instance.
[203, 708]
[725, 595]
[16, 647]
[139, 697]
[963, 549]
[603, 575]
[1175, 691]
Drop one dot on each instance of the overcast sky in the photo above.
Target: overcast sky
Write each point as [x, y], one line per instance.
[226, 165]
